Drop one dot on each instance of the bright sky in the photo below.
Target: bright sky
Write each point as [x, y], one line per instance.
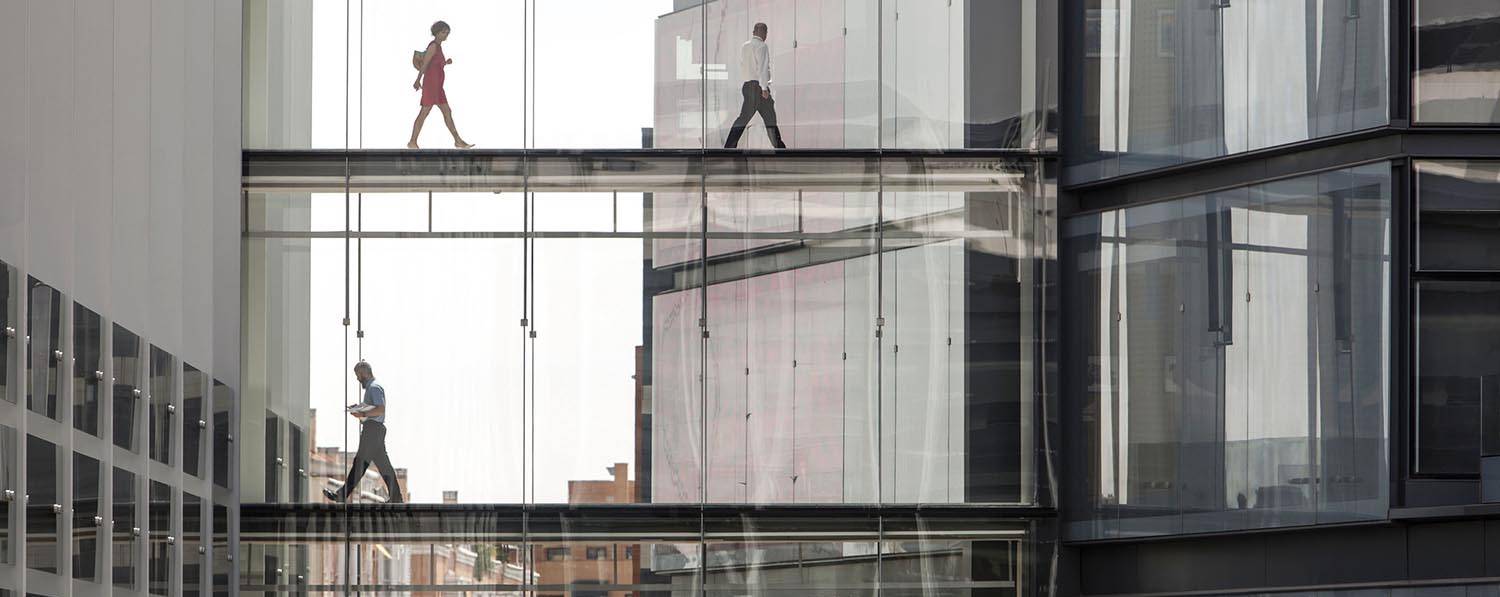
[442, 316]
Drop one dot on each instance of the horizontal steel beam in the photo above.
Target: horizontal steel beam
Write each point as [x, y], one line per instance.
[459, 523]
[636, 170]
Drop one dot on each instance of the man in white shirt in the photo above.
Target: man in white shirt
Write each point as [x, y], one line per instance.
[755, 66]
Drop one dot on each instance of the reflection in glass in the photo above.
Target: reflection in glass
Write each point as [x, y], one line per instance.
[127, 386]
[274, 462]
[162, 410]
[126, 528]
[192, 542]
[193, 419]
[223, 426]
[10, 480]
[159, 512]
[43, 505]
[88, 368]
[1459, 219]
[1182, 80]
[296, 471]
[827, 85]
[1229, 352]
[1458, 329]
[44, 333]
[223, 566]
[1458, 65]
[9, 301]
[88, 522]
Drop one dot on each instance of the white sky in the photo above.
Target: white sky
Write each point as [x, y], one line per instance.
[442, 316]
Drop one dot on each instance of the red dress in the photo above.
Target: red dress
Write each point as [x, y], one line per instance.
[432, 81]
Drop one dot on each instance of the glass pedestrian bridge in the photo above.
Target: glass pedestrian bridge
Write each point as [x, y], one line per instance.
[806, 372]
[641, 549]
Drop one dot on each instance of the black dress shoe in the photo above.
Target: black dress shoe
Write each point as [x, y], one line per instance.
[332, 496]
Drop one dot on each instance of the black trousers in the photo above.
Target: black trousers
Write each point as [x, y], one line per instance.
[751, 104]
[372, 450]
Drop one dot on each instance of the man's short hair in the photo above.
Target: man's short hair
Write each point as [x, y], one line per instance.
[363, 365]
[759, 28]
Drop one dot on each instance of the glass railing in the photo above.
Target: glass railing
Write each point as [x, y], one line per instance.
[837, 331]
[582, 552]
[608, 74]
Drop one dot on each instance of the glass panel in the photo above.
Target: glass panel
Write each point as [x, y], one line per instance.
[1458, 67]
[587, 311]
[193, 419]
[274, 458]
[88, 368]
[224, 451]
[296, 471]
[8, 324]
[10, 482]
[1457, 324]
[1182, 80]
[44, 333]
[936, 556]
[193, 545]
[587, 555]
[126, 529]
[1353, 360]
[1231, 353]
[163, 411]
[223, 566]
[127, 387]
[88, 521]
[767, 556]
[1459, 222]
[1282, 331]
[160, 513]
[43, 504]
[941, 441]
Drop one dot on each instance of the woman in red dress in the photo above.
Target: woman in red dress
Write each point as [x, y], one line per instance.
[430, 82]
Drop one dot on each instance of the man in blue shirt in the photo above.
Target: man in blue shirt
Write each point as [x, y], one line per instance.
[371, 413]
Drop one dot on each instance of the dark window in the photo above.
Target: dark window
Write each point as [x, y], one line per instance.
[126, 528]
[160, 515]
[192, 540]
[127, 388]
[1458, 57]
[44, 497]
[1460, 215]
[597, 553]
[88, 368]
[8, 327]
[8, 482]
[273, 458]
[223, 429]
[162, 385]
[222, 566]
[297, 469]
[193, 421]
[86, 492]
[1458, 372]
[557, 554]
[44, 333]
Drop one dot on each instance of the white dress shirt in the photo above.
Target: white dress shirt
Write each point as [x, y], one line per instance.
[755, 62]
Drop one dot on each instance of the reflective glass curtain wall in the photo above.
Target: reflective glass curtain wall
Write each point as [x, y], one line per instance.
[1457, 280]
[78, 516]
[1457, 78]
[1228, 357]
[1167, 82]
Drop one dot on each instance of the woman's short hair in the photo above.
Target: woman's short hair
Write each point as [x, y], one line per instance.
[440, 26]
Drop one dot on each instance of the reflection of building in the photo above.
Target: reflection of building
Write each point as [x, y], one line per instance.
[584, 563]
